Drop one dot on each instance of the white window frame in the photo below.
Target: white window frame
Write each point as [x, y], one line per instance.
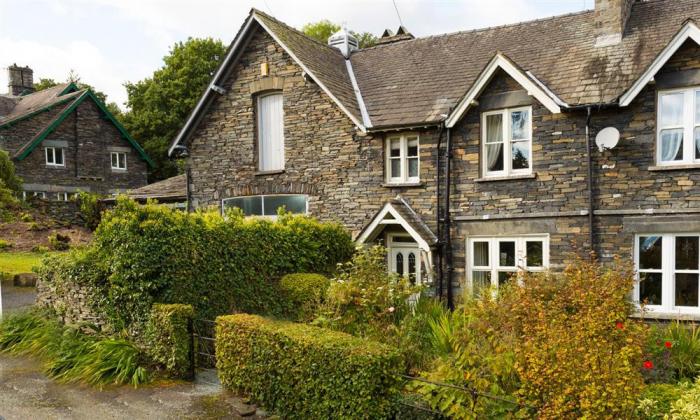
[262, 165]
[51, 151]
[404, 139]
[507, 136]
[262, 207]
[688, 125]
[668, 271]
[121, 156]
[493, 266]
[62, 196]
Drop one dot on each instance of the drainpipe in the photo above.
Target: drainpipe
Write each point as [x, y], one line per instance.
[447, 230]
[440, 275]
[188, 193]
[590, 179]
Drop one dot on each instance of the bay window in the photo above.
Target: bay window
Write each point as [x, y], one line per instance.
[270, 132]
[402, 159]
[668, 266]
[494, 261]
[267, 205]
[678, 127]
[507, 142]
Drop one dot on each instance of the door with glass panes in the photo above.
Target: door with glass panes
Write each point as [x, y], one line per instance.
[404, 258]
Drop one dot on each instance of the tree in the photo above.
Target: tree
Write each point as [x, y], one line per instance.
[159, 105]
[323, 29]
[44, 84]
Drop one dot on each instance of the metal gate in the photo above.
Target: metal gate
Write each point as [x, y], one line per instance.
[203, 334]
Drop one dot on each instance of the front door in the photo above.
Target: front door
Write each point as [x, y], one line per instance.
[404, 259]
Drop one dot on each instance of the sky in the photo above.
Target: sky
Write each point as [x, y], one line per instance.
[109, 42]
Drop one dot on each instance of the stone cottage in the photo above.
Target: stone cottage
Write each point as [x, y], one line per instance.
[63, 140]
[477, 154]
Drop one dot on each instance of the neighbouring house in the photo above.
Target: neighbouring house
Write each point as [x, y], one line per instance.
[63, 140]
[171, 192]
[473, 155]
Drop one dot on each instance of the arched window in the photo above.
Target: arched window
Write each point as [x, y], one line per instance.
[399, 264]
[412, 267]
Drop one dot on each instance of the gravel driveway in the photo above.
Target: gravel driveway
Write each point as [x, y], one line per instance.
[25, 393]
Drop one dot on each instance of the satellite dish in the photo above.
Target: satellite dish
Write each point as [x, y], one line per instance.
[607, 138]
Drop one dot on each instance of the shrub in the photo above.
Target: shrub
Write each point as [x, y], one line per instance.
[147, 254]
[684, 342]
[365, 299]
[304, 293]
[40, 249]
[687, 406]
[5, 244]
[566, 337]
[656, 399]
[90, 209]
[304, 371]
[68, 354]
[58, 242]
[169, 339]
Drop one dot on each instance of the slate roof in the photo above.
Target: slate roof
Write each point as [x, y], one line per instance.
[414, 220]
[26, 105]
[415, 81]
[167, 190]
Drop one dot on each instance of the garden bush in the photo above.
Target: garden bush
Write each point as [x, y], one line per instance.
[302, 371]
[304, 293]
[169, 339]
[90, 209]
[58, 242]
[687, 407]
[69, 355]
[561, 344]
[656, 400]
[151, 253]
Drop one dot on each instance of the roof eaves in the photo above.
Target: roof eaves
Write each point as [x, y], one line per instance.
[37, 111]
[689, 30]
[501, 61]
[343, 108]
[202, 103]
[32, 144]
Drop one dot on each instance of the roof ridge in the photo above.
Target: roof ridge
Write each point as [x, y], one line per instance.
[299, 32]
[484, 29]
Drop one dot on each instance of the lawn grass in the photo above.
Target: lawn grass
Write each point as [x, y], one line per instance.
[19, 262]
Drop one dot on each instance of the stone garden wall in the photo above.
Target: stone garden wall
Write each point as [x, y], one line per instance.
[71, 302]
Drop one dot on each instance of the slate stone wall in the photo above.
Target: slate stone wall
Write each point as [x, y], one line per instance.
[340, 169]
[89, 138]
[71, 302]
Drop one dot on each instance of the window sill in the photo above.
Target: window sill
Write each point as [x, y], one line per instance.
[665, 316]
[118, 171]
[273, 172]
[403, 184]
[506, 178]
[56, 166]
[680, 167]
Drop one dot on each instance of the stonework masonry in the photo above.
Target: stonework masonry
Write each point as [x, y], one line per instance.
[87, 138]
[343, 171]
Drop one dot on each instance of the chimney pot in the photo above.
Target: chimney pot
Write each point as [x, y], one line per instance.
[20, 80]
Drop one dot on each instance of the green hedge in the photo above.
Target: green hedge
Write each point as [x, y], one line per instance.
[147, 254]
[304, 293]
[302, 371]
[169, 339]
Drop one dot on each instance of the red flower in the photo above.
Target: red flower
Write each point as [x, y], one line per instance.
[668, 344]
[648, 364]
[619, 325]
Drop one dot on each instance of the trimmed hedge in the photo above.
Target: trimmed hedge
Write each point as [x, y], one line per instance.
[303, 371]
[304, 293]
[147, 254]
[169, 338]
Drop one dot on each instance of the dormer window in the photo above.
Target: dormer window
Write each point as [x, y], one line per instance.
[402, 159]
[54, 156]
[678, 128]
[507, 142]
[270, 132]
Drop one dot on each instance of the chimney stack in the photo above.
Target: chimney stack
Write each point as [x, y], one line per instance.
[610, 21]
[20, 80]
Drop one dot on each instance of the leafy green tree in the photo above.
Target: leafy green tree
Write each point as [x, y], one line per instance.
[159, 105]
[8, 179]
[323, 29]
[44, 84]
